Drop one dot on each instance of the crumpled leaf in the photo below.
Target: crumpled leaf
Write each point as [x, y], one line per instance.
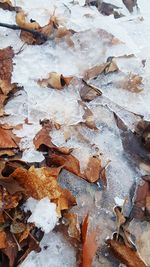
[17, 227]
[43, 138]
[108, 67]
[132, 83]
[55, 80]
[73, 225]
[11, 185]
[108, 9]
[40, 183]
[11, 250]
[125, 254]
[7, 5]
[89, 244]
[8, 201]
[21, 21]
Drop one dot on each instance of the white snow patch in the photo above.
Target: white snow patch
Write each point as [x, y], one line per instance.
[44, 213]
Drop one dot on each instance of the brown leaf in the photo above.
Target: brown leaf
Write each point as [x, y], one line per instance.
[88, 116]
[7, 139]
[108, 67]
[92, 172]
[40, 183]
[6, 64]
[43, 138]
[3, 240]
[55, 80]
[11, 250]
[7, 5]
[130, 4]
[88, 93]
[73, 225]
[132, 83]
[125, 254]
[68, 162]
[89, 244]
[8, 201]
[11, 185]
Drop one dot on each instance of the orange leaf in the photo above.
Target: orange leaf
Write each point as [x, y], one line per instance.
[3, 240]
[89, 244]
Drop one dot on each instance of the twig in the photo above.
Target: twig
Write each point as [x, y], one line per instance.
[16, 27]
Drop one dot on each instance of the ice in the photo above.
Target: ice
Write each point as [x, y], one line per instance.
[56, 252]
[92, 46]
[44, 213]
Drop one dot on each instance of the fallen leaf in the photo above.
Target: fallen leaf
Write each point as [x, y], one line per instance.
[88, 92]
[89, 244]
[7, 139]
[88, 116]
[11, 250]
[11, 185]
[68, 162]
[107, 9]
[3, 240]
[73, 225]
[55, 80]
[6, 64]
[130, 4]
[125, 254]
[8, 201]
[43, 138]
[108, 67]
[21, 21]
[42, 182]
[138, 210]
[7, 5]
[92, 172]
[132, 83]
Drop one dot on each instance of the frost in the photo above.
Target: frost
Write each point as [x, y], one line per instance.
[44, 213]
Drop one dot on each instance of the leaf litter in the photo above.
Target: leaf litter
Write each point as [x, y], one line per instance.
[79, 133]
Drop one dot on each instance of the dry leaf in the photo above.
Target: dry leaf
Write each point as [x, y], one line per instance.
[40, 183]
[7, 5]
[130, 4]
[43, 138]
[7, 139]
[21, 21]
[125, 254]
[68, 162]
[6, 64]
[89, 244]
[108, 67]
[88, 116]
[8, 201]
[88, 93]
[92, 172]
[132, 83]
[3, 240]
[55, 80]
[73, 225]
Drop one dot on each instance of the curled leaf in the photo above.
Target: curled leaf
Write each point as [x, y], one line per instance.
[55, 80]
[21, 21]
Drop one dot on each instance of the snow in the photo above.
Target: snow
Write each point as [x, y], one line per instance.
[44, 213]
[91, 47]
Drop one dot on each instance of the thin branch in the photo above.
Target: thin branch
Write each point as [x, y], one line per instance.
[16, 27]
